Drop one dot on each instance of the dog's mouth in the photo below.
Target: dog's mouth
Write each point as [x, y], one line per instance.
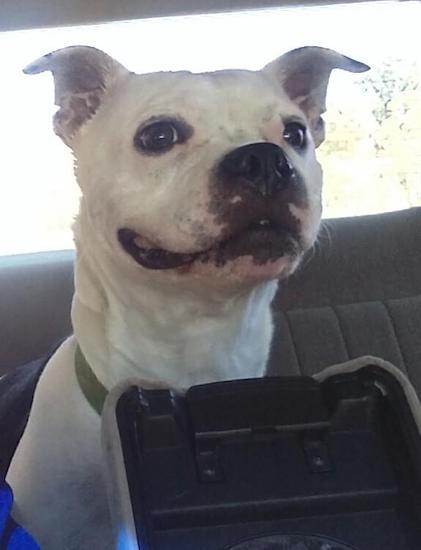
[264, 241]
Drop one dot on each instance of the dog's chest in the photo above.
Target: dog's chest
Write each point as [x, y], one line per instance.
[57, 471]
[162, 346]
[189, 355]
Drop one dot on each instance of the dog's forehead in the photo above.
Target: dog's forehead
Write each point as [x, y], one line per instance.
[229, 93]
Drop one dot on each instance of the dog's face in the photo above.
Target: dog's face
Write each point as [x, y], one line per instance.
[212, 176]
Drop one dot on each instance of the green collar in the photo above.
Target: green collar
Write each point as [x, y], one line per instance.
[94, 392]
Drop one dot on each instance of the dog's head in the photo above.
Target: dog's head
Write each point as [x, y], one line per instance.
[208, 175]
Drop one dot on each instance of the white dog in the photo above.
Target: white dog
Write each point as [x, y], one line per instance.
[200, 191]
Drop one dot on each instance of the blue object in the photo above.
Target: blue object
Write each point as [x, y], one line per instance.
[12, 536]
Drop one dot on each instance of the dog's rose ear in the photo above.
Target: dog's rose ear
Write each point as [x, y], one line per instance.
[82, 76]
[304, 75]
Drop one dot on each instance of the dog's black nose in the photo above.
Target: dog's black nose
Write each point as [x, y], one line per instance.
[262, 166]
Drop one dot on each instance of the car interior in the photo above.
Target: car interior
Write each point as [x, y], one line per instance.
[358, 293]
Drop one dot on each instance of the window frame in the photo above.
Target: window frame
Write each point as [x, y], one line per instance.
[33, 14]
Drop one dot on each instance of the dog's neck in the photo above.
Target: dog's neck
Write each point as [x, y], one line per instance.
[166, 336]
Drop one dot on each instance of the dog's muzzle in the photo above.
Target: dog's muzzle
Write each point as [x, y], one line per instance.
[263, 167]
[253, 187]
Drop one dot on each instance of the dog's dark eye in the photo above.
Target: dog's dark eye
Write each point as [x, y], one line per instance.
[295, 134]
[157, 137]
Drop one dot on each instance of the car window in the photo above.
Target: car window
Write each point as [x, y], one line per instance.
[370, 158]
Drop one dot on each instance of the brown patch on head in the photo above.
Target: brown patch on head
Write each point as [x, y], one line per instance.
[82, 76]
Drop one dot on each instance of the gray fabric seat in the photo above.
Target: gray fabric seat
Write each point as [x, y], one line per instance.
[359, 294]
[35, 297]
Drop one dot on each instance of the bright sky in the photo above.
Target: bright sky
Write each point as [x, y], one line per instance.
[38, 194]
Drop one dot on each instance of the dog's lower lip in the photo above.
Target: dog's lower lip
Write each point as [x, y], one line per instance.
[263, 240]
[152, 258]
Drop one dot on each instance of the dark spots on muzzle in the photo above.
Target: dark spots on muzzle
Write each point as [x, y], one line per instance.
[252, 190]
[257, 183]
[261, 244]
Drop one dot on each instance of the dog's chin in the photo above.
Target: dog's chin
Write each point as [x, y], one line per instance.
[259, 252]
[243, 271]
